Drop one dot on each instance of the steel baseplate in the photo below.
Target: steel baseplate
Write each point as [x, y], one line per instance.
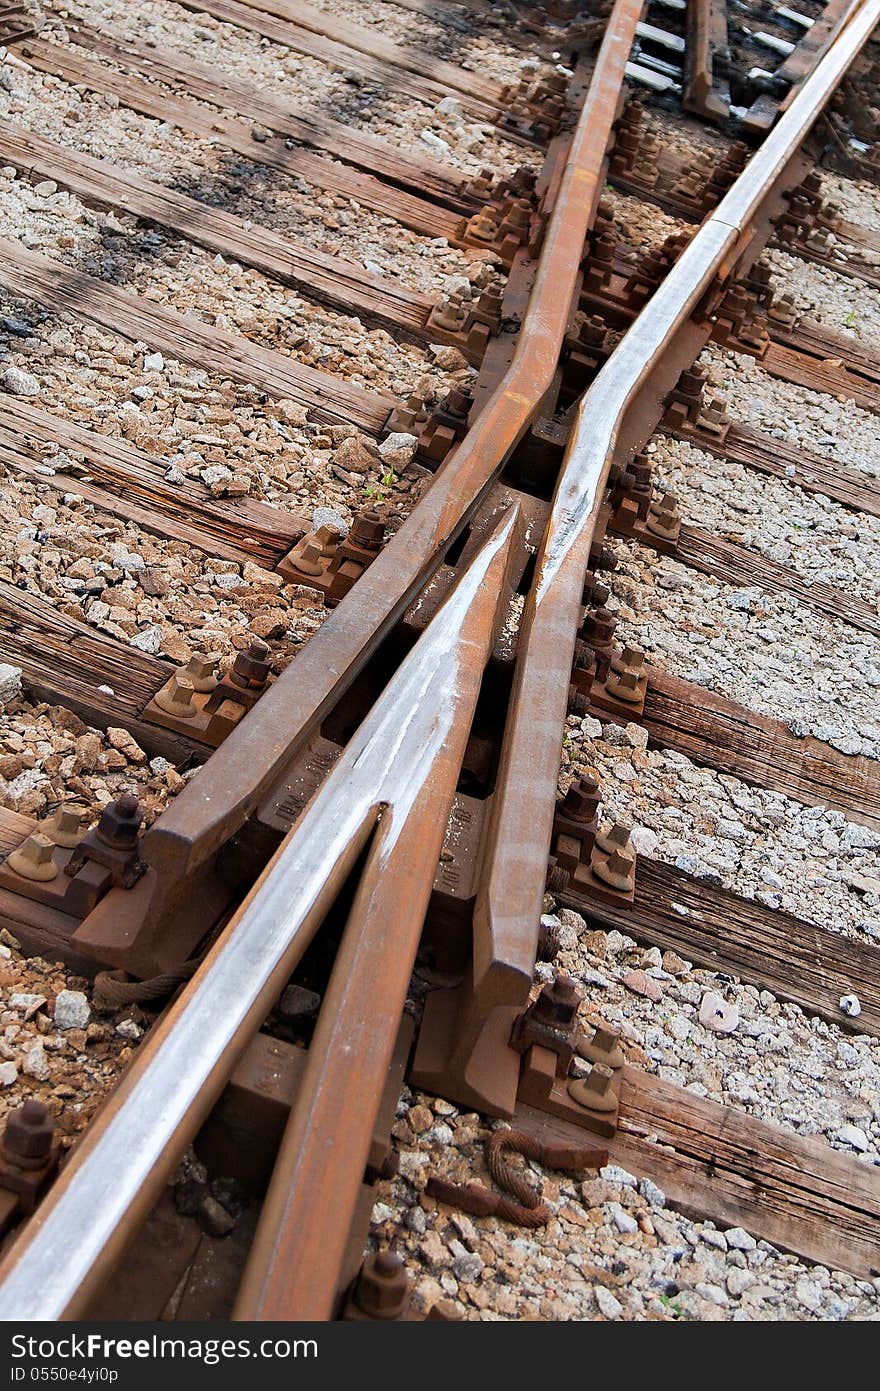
[494, 1060]
[540, 1086]
[491, 1076]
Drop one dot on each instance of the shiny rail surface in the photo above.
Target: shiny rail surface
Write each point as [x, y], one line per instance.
[387, 799]
[207, 811]
[386, 772]
[248, 760]
[521, 833]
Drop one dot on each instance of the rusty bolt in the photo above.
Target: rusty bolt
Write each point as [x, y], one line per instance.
[415, 402]
[598, 627]
[523, 180]
[120, 822]
[619, 868]
[692, 382]
[624, 685]
[251, 668]
[736, 302]
[613, 837]
[603, 247]
[27, 1137]
[784, 312]
[714, 416]
[630, 659]
[652, 265]
[491, 299]
[382, 1289]
[675, 245]
[558, 1003]
[582, 799]
[519, 213]
[200, 670]
[449, 314]
[591, 332]
[479, 186]
[664, 518]
[621, 864]
[458, 403]
[719, 181]
[307, 555]
[639, 471]
[626, 672]
[367, 531]
[483, 226]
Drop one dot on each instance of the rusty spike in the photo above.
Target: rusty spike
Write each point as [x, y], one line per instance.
[64, 827]
[595, 1090]
[33, 859]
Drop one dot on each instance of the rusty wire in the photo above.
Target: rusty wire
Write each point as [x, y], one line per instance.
[114, 990]
[526, 1208]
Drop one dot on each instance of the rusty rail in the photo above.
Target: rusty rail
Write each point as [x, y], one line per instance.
[801, 62]
[706, 36]
[401, 764]
[300, 1242]
[294, 707]
[395, 778]
[466, 1055]
[179, 848]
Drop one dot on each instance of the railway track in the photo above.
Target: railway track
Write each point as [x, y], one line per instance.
[370, 767]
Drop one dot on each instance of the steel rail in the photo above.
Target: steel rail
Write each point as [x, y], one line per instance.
[119, 1168]
[508, 905]
[800, 62]
[366, 800]
[400, 763]
[293, 1267]
[214, 805]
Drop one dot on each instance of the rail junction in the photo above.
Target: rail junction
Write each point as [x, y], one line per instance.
[378, 825]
